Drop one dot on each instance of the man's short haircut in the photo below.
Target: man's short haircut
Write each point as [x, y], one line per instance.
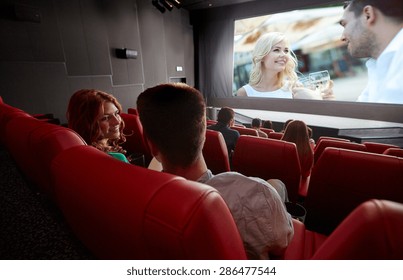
[173, 118]
[267, 124]
[390, 8]
[225, 115]
[256, 122]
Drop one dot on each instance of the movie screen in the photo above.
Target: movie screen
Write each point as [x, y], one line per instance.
[314, 36]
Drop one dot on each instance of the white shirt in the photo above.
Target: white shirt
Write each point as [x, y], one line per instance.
[385, 75]
[258, 211]
[280, 93]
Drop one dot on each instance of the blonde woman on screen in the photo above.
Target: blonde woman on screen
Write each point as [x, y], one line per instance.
[274, 74]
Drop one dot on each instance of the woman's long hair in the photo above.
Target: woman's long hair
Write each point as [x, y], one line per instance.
[297, 132]
[85, 107]
[262, 48]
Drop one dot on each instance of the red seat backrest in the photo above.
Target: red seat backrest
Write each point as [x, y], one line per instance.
[132, 111]
[342, 179]
[373, 231]
[135, 141]
[211, 122]
[33, 144]
[332, 138]
[398, 152]
[267, 130]
[46, 142]
[275, 135]
[122, 211]
[323, 144]
[215, 152]
[268, 159]
[17, 133]
[245, 130]
[7, 113]
[378, 148]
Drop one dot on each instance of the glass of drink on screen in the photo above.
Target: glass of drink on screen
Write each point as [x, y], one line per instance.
[305, 82]
[320, 79]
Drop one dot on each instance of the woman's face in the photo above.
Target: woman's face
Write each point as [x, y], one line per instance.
[277, 58]
[109, 121]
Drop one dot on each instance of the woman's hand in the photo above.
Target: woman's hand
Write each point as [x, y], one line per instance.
[306, 93]
[300, 92]
[327, 93]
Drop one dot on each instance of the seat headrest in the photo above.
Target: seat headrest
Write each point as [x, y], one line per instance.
[372, 231]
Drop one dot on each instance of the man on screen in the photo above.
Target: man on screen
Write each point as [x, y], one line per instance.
[373, 29]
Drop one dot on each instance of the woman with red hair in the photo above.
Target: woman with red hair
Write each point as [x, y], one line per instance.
[95, 116]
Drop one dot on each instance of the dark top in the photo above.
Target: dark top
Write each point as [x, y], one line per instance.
[230, 135]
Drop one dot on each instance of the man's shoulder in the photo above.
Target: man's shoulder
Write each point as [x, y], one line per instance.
[235, 187]
[223, 129]
[262, 134]
[234, 179]
[212, 127]
[233, 131]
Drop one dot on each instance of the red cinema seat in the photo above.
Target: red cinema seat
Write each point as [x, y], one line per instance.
[132, 111]
[267, 130]
[304, 243]
[323, 144]
[211, 122]
[245, 130]
[7, 113]
[135, 141]
[378, 148]
[342, 179]
[33, 144]
[275, 135]
[17, 133]
[372, 231]
[397, 152]
[46, 142]
[122, 211]
[215, 152]
[268, 159]
[332, 138]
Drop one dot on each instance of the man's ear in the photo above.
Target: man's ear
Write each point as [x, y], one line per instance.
[370, 14]
[154, 149]
[232, 122]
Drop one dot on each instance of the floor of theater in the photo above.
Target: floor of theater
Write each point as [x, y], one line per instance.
[32, 227]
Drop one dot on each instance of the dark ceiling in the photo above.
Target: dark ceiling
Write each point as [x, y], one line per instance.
[205, 4]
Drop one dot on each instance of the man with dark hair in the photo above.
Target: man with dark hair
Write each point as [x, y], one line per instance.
[257, 124]
[174, 123]
[373, 29]
[226, 119]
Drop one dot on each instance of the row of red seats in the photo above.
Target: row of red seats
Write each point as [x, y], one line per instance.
[339, 206]
[372, 147]
[216, 155]
[119, 210]
[250, 131]
[336, 169]
[269, 158]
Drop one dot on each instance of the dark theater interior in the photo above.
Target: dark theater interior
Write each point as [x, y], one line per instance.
[61, 198]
